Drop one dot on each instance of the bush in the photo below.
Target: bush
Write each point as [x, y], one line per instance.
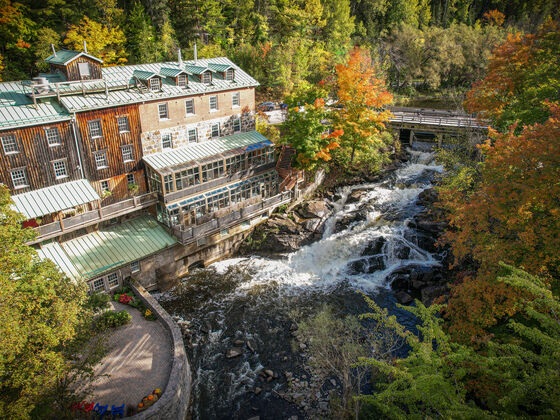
[122, 289]
[97, 301]
[112, 319]
[126, 298]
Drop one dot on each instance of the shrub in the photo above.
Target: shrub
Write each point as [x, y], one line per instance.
[126, 299]
[97, 301]
[113, 319]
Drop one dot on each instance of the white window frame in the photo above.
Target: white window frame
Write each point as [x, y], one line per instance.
[99, 127]
[163, 115]
[237, 121]
[84, 69]
[235, 100]
[127, 122]
[189, 132]
[212, 130]
[135, 266]
[164, 136]
[215, 108]
[12, 147]
[62, 169]
[127, 153]
[53, 136]
[116, 278]
[128, 179]
[105, 185]
[207, 77]
[155, 86]
[230, 75]
[104, 163]
[95, 287]
[23, 177]
[191, 101]
[182, 80]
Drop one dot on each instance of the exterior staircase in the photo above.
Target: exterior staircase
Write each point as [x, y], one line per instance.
[290, 176]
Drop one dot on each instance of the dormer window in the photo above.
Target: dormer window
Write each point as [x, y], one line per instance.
[155, 84]
[182, 80]
[207, 77]
[230, 75]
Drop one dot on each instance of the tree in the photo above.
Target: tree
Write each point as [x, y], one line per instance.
[361, 95]
[102, 42]
[141, 42]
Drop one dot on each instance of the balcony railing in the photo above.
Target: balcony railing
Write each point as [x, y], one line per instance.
[79, 221]
[189, 234]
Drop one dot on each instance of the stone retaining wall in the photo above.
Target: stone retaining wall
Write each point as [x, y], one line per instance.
[174, 401]
[309, 189]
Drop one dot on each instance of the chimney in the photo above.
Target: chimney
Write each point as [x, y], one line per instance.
[195, 54]
[85, 46]
[180, 58]
[53, 50]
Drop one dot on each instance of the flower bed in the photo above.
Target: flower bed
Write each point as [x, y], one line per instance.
[125, 296]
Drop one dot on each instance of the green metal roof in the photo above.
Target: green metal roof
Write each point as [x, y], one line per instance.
[166, 71]
[195, 69]
[64, 57]
[110, 248]
[54, 252]
[55, 198]
[202, 150]
[143, 75]
[218, 67]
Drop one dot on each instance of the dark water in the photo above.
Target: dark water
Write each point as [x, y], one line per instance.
[255, 299]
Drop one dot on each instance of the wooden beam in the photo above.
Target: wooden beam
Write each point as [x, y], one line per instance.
[60, 220]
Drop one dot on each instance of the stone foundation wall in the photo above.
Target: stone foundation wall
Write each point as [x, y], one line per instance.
[174, 401]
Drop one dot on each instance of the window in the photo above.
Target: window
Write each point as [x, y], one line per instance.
[193, 137]
[135, 266]
[187, 178]
[240, 193]
[201, 242]
[218, 201]
[213, 103]
[230, 74]
[105, 186]
[235, 99]
[189, 106]
[60, 169]
[207, 77]
[53, 136]
[83, 68]
[155, 84]
[182, 80]
[235, 164]
[95, 129]
[166, 141]
[256, 157]
[101, 160]
[212, 170]
[237, 125]
[112, 280]
[124, 126]
[19, 178]
[127, 154]
[97, 285]
[163, 113]
[130, 179]
[9, 144]
[215, 130]
[168, 183]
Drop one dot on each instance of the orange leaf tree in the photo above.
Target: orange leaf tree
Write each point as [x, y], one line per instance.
[361, 95]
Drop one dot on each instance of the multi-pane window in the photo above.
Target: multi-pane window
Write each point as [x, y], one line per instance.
[215, 132]
[155, 83]
[60, 169]
[207, 77]
[112, 280]
[19, 178]
[127, 154]
[230, 74]
[235, 99]
[166, 141]
[235, 164]
[192, 135]
[212, 170]
[162, 111]
[241, 193]
[189, 106]
[98, 285]
[53, 136]
[95, 130]
[182, 80]
[130, 179]
[168, 183]
[187, 178]
[134, 266]
[218, 201]
[192, 211]
[9, 144]
[101, 160]
[105, 186]
[124, 126]
[213, 103]
[83, 68]
[237, 125]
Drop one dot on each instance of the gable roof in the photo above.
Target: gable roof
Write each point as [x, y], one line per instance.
[195, 69]
[171, 72]
[219, 67]
[63, 57]
[144, 75]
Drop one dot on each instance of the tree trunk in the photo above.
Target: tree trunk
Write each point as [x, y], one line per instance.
[352, 156]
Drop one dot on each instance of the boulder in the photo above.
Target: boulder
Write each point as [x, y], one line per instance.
[314, 209]
[311, 225]
[400, 282]
[431, 292]
[284, 225]
[403, 297]
[374, 247]
[375, 263]
[354, 196]
[234, 352]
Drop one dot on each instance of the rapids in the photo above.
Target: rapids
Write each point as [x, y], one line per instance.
[254, 299]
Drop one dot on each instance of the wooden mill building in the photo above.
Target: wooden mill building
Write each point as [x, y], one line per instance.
[142, 170]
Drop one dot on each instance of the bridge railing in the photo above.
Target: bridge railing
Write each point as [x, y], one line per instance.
[439, 121]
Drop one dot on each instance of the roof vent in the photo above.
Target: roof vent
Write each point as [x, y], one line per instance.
[179, 58]
[195, 54]
[85, 46]
[53, 50]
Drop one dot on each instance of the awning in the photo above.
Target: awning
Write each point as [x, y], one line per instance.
[55, 198]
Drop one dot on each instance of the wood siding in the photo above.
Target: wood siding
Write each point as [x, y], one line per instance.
[72, 72]
[36, 156]
[118, 185]
[111, 143]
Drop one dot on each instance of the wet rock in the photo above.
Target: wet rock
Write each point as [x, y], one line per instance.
[375, 264]
[354, 196]
[254, 418]
[251, 345]
[284, 225]
[431, 292]
[269, 379]
[403, 297]
[288, 375]
[302, 346]
[400, 282]
[258, 390]
[269, 372]
[428, 277]
[428, 196]
[312, 225]
[431, 227]
[418, 284]
[348, 220]
[238, 343]
[323, 406]
[374, 247]
[333, 382]
[403, 253]
[359, 266]
[234, 352]
[313, 209]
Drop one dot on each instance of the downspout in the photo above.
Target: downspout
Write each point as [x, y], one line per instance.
[76, 142]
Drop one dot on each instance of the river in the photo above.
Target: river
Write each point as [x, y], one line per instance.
[253, 299]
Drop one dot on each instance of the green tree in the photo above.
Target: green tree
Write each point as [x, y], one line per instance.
[141, 42]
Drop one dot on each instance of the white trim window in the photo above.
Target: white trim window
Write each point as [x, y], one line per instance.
[98, 285]
[9, 143]
[207, 77]
[101, 160]
[215, 131]
[124, 125]
[155, 84]
[192, 135]
[189, 107]
[130, 179]
[213, 103]
[19, 178]
[112, 280]
[237, 125]
[95, 130]
[53, 136]
[135, 266]
[166, 141]
[182, 80]
[84, 69]
[163, 111]
[230, 75]
[59, 167]
[127, 153]
[105, 186]
[235, 100]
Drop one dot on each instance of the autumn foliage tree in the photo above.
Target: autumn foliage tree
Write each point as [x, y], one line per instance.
[361, 95]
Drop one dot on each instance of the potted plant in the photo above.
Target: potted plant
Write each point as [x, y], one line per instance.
[133, 188]
[106, 193]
